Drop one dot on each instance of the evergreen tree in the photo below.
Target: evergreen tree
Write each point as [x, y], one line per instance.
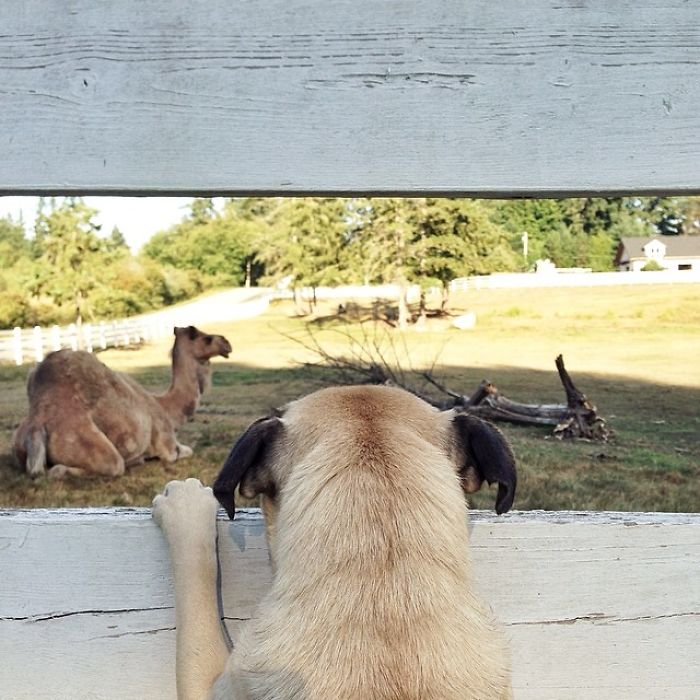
[304, 242]
[13, 243]
[71, 255]
[456, 238]
[116, 243]
[690, 209]
[665, 214]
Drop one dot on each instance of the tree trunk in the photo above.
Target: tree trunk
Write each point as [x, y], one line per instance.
[79, 320]
[422, 313]
[248, 270]
[445, 296]
[297, 303]
[404, 313]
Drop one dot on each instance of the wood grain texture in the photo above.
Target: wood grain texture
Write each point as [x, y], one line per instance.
[469, 97]
[596, 605]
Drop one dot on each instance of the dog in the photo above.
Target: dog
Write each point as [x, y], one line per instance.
[362, 490]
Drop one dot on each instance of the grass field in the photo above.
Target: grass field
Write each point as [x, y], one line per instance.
[634, 351]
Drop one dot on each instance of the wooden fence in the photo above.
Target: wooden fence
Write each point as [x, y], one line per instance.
[533, 280]
[31, 345]
[597, 606]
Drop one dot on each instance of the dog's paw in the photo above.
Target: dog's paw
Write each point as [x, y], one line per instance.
[186, 505]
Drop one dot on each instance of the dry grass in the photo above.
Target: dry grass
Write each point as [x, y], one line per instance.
[634, 351]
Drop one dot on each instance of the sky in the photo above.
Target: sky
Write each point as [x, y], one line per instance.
[138, 218]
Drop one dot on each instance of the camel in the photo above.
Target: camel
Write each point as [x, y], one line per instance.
[85, 419]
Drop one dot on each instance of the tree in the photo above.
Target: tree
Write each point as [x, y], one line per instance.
[427, 241]
[456, 238]
[389, 234]
[14, 306]
[71, 255]
[13, 243]
[305, 240]
[252, 216]
[574, 232]
[690, 209]
[216, 246]
[541, 219]
[116, 243]
[665, 214]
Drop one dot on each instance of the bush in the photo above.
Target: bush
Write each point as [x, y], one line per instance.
[653, 266]
[179, 284]
[14, 310]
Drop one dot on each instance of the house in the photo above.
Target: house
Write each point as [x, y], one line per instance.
[669, 252]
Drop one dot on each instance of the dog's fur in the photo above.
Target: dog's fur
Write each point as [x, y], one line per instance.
[86, 419]
[362, 491]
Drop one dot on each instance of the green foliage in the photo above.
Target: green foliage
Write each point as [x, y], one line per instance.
[423, 240]
[69, 272]
[690, 210]
[312, 241]
[653, 266]
[457, 237]
[304, 242]
[575, 232]
[665, 214]
[69, 253]
[215, 246]
[13, 244]
[14, 306]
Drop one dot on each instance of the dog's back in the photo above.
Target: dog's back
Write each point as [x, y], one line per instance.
[372, 597]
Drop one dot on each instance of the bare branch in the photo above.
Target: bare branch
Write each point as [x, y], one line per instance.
[376, 358]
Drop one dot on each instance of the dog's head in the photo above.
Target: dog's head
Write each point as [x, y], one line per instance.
[353, 427]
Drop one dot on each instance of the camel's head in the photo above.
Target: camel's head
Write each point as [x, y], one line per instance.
[201, 346]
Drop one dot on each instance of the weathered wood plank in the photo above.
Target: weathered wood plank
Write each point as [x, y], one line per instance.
[350, 96]
[596, 605]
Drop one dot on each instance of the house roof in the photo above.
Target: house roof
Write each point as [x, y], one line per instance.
[676, 246]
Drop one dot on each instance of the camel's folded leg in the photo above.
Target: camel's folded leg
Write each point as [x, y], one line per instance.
[59, 471]
[183, 451]
[93, 455]
[187, 514]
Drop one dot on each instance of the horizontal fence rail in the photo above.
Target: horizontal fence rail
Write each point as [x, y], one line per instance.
[503, 280]
[496, 280]
[546, 97]
[33, 344]
[597, 606]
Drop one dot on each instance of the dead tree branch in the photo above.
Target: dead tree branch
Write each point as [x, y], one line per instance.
[375, 358]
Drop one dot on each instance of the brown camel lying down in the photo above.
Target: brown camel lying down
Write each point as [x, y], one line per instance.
[371, 598]
[86, 419]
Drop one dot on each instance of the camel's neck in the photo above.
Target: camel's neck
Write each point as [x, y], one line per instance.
[182, 398]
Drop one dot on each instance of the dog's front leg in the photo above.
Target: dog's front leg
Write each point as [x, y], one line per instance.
[186, 512]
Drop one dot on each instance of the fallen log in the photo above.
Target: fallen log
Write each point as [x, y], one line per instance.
[578, 418]
[372, 361]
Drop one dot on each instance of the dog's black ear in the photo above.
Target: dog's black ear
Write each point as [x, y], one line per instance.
[485, 455]
[245, 465]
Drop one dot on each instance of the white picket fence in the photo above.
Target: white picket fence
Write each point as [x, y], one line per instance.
[32, 344]
[22, 345]
[519, 280]
[353, 291]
